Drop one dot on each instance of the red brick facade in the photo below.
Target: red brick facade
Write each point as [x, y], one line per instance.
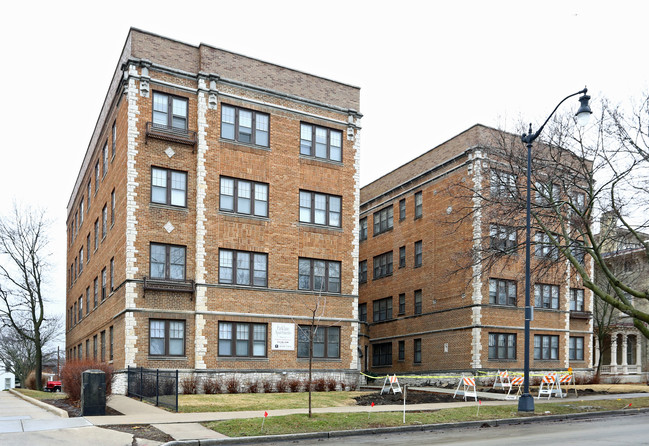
[206, 79]
[450, 328]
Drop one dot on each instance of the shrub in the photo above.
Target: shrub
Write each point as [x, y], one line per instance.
[295, 385]
[211, 386]
[343, 385]
[353, 386]
[232, 385]
[267, 384]
[331, 384]
[30, 381]
[253, 386]
[282, 386]
[71, 376]
[189, 385]
[319, 385]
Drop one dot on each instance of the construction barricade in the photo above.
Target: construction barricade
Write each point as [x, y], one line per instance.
[563, 385]
[468, 387]
[548, 385]
[516, 381]
[502, 380]
[391, 383]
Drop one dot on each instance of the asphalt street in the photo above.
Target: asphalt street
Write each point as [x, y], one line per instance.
[616, 430]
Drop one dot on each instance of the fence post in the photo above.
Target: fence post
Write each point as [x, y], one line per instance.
[176, 390]
[128, 380]
[141, 381]
[157, 386]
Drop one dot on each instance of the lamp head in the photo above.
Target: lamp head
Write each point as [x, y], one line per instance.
[584, 112]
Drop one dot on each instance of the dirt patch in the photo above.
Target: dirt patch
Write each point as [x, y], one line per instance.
[74, 409]
[145, 431]
[412, 397]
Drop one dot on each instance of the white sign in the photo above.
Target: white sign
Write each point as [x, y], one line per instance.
[283, 336]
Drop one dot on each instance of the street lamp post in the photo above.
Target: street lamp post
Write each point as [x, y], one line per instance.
[526, 401]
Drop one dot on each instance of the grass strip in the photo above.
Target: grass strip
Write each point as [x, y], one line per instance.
[264, 401]
[293, 424]
[39, 395]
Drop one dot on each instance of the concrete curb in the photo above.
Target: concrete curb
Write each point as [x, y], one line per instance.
[411, 428]
[55, 410]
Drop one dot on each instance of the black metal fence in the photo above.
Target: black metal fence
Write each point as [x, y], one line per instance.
[159, 387]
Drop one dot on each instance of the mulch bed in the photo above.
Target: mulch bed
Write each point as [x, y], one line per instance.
[145, 431]
[412, 397]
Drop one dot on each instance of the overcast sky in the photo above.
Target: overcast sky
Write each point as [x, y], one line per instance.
[426, 72]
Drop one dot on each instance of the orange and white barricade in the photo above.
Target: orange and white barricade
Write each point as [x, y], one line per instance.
[391, 383]
[468, 387]
[516, 381]
[502, 380]
[563, 381]
[548, 385]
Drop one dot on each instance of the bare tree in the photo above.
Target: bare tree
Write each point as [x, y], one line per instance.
[577, 176]
[23, 271]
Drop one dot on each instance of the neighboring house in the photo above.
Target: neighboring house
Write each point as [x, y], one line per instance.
[423, 312]
[216, 205]
[7, 380]
[624, 349]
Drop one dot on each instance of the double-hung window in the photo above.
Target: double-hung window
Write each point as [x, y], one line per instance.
[502, 238]
[89, 194]
[383, 265]
[320, 209]
[363, 229]
[418, 301]
[112, 208]
[576, 349]
[96, 176]
[167, 262]
[417, 351]
[502, 292]
[166, 337]
[502, 184]
[243, 197]
[104, 156]
[87, 300]
[96, 234]
[243, 268]
[382, 354]
[576, 299]
[113, 140]
[402, 303]
[362, 271]
[502, 346]
[362, 312]
[418, 254]
[544, 247]
[96, 291]
[546, 347]
[242, 339]
[402, 257]
[546, 296]
[402, 350]
[402, 209]
[383, 220]
[81, 260]
[169, 112]
[382, 309]
[168, 187]
[547, 193]
[319, 275]
[242, 125]
[321, 142]
[103, 284]
[419, 205]
[326, 341]
[104, 221]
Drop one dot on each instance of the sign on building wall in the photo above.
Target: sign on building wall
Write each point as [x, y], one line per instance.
[283, 336]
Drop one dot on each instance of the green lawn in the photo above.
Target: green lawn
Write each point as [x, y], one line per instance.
[263, 401]
[352, 421]
[39, 395]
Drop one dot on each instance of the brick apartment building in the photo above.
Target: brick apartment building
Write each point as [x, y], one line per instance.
[426, 308]
[215, 208]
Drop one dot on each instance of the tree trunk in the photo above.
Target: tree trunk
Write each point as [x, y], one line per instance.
[311, 332]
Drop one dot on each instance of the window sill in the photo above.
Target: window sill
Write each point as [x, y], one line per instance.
[501, 360]
[243, 216]
[242, 358]
[376, 234]
[243, 144]
[316, 160]
[322, 227]
[382, 277]
[166, 358]
[168, 206]
[320, 359]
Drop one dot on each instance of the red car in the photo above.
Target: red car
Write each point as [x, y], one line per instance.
[53, 386]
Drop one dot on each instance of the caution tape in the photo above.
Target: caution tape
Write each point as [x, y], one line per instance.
[479, 373]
